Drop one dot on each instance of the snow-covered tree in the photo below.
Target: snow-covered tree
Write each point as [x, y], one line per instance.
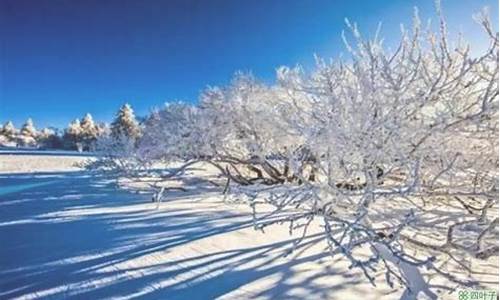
[116, 144]
[8, 134]
[176, 124]
[73, 136]
[102, 129]
[28, 129]
[8, 130]
[405, 146]
[117, 154]
[125, 123]
[88, 126]
[28, 134]
[395, 152]
[50, 139]
[89, 132]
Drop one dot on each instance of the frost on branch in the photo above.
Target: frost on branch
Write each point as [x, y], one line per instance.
[395, 152]
[407, 148]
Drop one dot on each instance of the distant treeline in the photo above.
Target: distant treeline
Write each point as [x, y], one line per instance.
[80, 135]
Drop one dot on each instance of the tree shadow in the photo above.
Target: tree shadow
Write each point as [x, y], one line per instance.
[78, 236]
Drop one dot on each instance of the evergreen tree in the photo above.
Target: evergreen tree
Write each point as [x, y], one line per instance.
[73, 136]
[8, 130]
[125, 124]
[28, 129]
[89, 132]
[74, 128]
[28, 134]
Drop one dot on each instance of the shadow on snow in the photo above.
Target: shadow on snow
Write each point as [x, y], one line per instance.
[60, 238]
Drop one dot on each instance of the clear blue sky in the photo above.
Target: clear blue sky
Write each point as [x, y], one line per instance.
[62, 58]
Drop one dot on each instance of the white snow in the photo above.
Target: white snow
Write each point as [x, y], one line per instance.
[39, 161]
[67, 234]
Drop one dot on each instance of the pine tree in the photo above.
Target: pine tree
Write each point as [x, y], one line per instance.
[89, 132]
[73, 135]
[87, 124]
[8, 130]
[125, 124]
[28, 129]
[28, 134]
[74, 128]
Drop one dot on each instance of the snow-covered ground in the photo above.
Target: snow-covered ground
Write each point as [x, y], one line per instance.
[64, 233]
[38, 152]
[38, 161]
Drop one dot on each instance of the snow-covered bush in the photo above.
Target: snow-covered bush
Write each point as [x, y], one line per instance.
[116, 146]
[173, 133]
[117, 154]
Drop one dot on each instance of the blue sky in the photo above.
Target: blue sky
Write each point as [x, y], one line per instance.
[62, 58]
